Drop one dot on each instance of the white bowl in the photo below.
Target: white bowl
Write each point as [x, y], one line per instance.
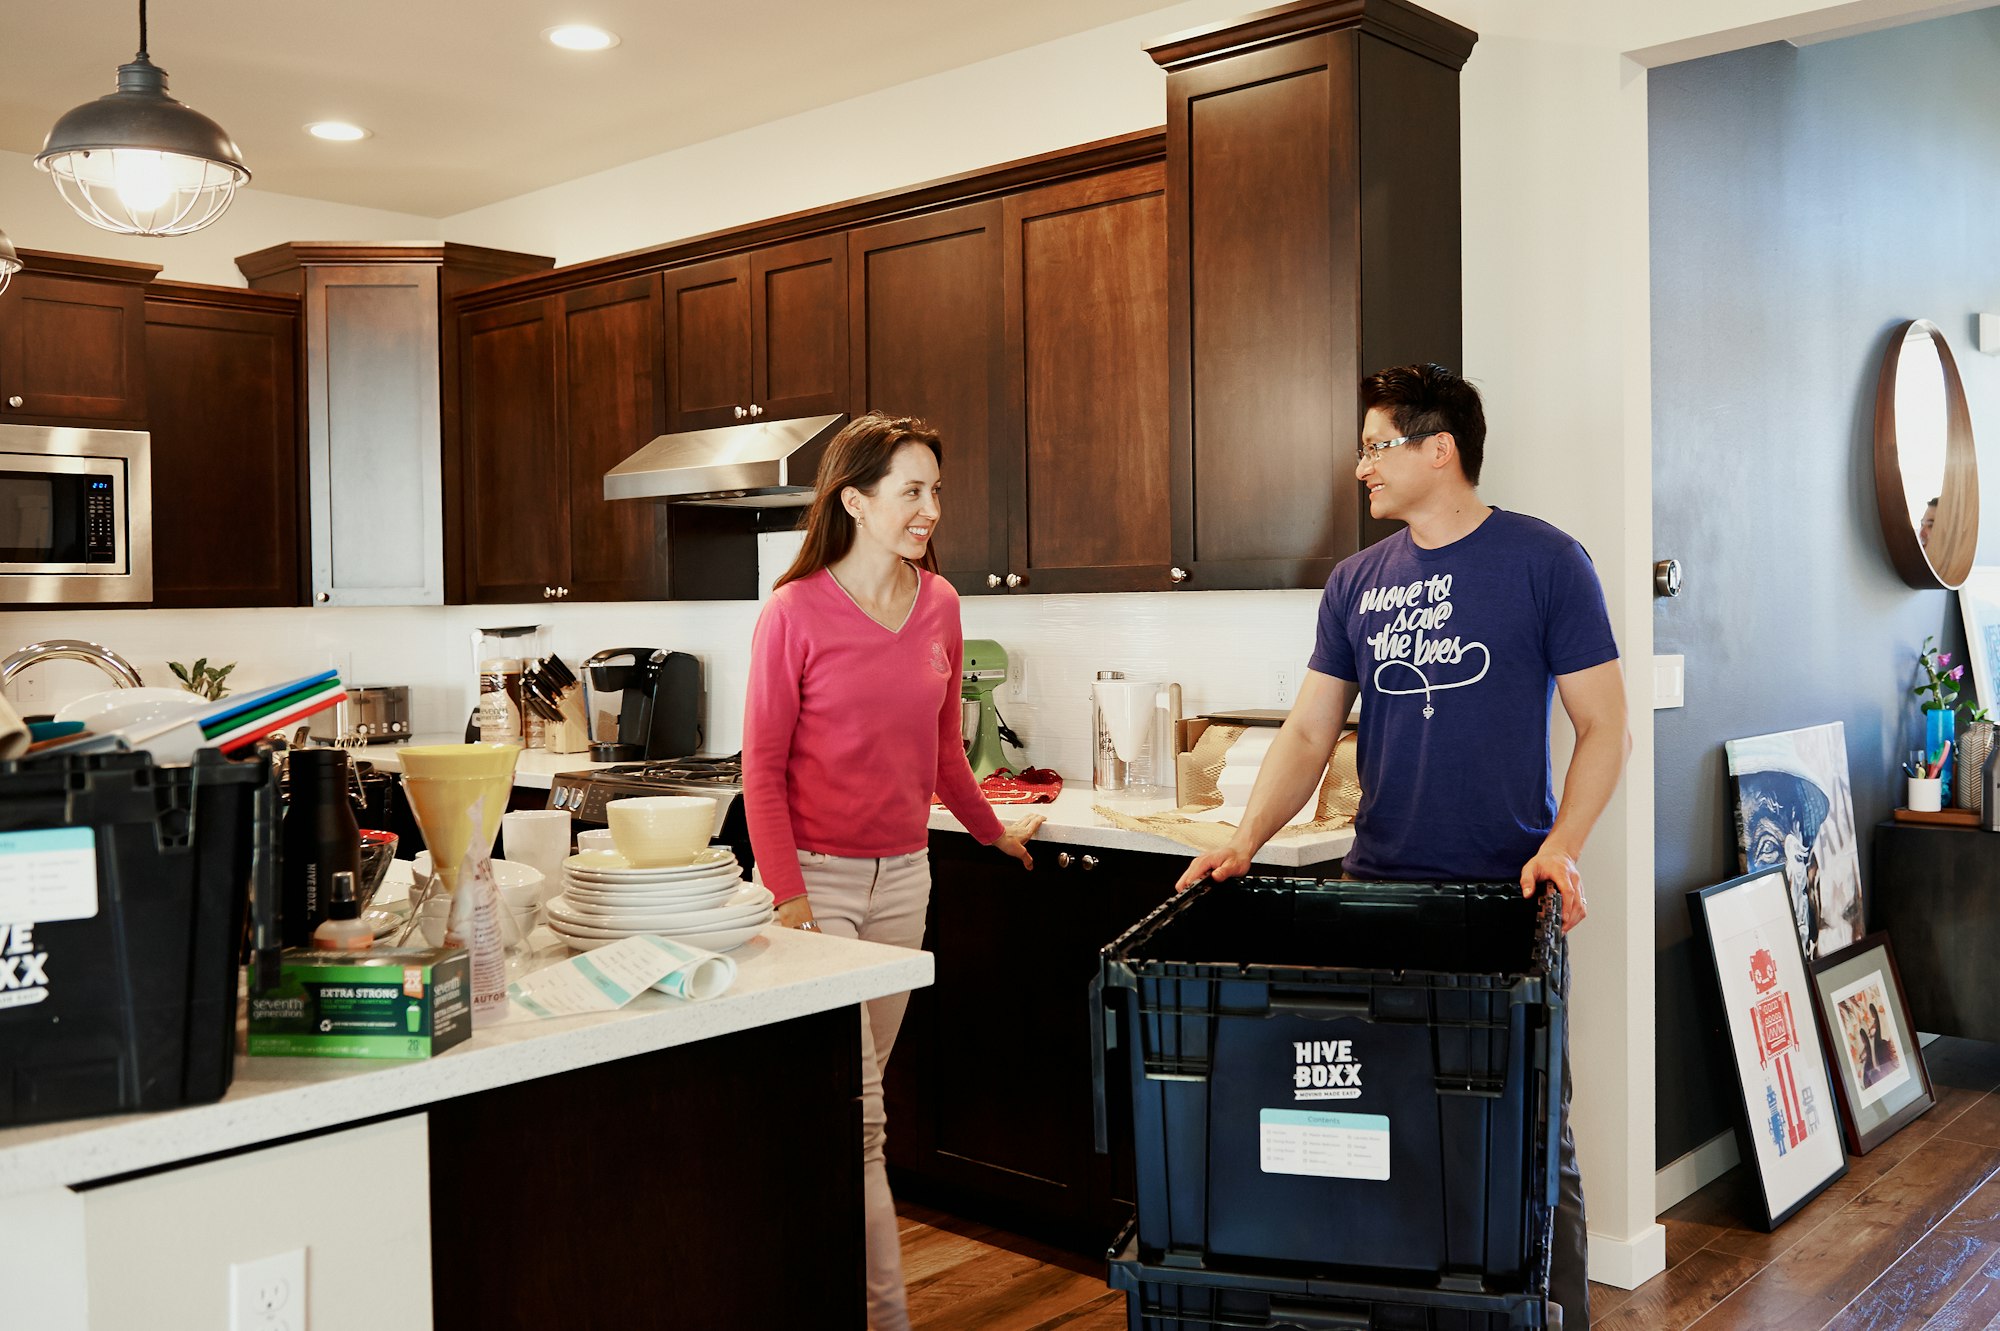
[516, 921]
[656, 830]
[128, 709]
[506, 874]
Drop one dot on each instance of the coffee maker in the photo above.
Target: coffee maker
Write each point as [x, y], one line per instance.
[659, 701]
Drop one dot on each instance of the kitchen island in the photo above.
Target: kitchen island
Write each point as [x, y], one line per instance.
[590, 1171]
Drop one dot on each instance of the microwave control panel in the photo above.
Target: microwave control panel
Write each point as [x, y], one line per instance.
[100, 532]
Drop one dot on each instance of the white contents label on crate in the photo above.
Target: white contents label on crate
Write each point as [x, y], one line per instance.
[48, 874]
[1304, 1141]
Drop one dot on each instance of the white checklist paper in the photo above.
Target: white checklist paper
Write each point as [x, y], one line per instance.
[48, 874]
[1323, 1145]
[612, 976]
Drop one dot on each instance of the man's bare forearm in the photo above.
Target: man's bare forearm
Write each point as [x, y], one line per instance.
[1595, 766]
[1289, 775]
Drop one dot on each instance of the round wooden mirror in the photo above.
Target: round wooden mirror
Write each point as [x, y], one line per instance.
[1926, 473]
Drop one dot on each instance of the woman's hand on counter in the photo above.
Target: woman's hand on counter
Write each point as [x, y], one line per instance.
[1015, 840]
[794, 913]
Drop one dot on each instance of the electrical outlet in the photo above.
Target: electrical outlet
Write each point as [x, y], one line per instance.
[1281, 683]
[269, 1294]
[1017, 678]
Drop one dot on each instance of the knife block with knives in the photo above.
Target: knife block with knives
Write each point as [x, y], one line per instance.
[552, 692]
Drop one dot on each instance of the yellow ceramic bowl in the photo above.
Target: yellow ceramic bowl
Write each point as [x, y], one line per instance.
[652, 831]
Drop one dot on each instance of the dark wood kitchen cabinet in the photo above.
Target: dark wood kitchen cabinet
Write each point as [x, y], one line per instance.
[989, 1088]
[514, 486]
[1086, 336]
[229, 523]
[758, 336]
[73, 341]
[1313, 234]
[927, 337]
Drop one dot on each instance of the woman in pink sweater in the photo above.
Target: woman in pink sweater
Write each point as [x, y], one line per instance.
[852, 723]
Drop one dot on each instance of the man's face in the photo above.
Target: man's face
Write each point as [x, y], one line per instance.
[1396, 478]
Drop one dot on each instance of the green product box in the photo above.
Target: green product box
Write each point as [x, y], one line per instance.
[389, 1003]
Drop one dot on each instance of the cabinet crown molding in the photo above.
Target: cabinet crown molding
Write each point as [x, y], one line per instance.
[85, 266]
[1396, 21]
[275, 259]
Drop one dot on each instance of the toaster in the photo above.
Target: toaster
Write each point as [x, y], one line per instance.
[377, 714]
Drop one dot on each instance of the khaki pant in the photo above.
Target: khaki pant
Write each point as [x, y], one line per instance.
[878, 901]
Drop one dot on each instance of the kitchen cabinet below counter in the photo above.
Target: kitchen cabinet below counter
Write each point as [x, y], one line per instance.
[637, 1142]
[1072, 819]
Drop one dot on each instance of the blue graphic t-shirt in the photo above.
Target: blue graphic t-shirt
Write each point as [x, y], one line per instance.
[1456, 651]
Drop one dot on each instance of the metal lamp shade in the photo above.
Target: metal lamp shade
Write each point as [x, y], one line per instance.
[138, 162]
[10, 261]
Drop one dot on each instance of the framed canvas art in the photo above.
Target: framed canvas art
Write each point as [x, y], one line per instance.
[1747, 928]
[1794, 809]
[1979, 607]
[1879, 1072]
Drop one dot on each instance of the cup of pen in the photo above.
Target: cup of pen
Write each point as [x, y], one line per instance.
[1926, 792]
[448, 786]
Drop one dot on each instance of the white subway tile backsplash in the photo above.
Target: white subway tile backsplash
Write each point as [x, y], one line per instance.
[1223, 648]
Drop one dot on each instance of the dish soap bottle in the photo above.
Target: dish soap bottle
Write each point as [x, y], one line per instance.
[342, 930]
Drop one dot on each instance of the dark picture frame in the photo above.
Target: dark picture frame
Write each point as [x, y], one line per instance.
[1790, 1126]
[1880, 1077]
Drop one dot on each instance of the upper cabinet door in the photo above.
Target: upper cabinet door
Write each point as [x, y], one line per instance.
[798, 328]
[612, 404]
[708, 344]
[222, 371]
[515, 477]
[1086, 306]
[927, 339]
[72, 349]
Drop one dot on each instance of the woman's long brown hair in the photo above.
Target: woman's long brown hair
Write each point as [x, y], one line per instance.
[860, 456]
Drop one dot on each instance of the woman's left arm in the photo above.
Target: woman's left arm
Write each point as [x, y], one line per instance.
[959, 789]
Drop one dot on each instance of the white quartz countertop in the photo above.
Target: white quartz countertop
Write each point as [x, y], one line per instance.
[535, 768]
[781, 974]
[1073, 821]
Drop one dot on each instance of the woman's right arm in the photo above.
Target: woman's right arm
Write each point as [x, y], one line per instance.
[770, 716]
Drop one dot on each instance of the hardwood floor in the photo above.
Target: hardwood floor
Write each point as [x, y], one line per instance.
[1908, 1238]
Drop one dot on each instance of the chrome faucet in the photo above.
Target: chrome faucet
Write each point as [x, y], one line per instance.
[71, 649]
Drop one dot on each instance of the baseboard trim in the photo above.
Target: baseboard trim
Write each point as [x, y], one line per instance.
[1696, 1170]
[1628, 1263]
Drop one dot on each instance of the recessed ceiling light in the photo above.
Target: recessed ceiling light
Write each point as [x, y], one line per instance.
[337, 130]
[580, 37]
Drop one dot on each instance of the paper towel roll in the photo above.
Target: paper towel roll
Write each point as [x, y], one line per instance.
[13, 731]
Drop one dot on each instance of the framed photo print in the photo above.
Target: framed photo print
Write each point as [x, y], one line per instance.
[1979, 607]
[1795, 810]
[1752, 938]
[1879, 1071]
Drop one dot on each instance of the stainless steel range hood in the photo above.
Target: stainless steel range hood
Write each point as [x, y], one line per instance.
[737, 466]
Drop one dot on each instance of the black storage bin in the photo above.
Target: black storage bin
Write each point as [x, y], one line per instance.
[1160, 1298]
[136, 1005]
[1343, 1075]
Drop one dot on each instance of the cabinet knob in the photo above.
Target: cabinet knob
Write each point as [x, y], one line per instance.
[562, 591]
[740, 413]
[1062, 859]
[992, 579]
[1016, 580]
[14, 401]
[548, 593]
[1089, 862]
[756, 410]
[324, 597]
[1177, 574]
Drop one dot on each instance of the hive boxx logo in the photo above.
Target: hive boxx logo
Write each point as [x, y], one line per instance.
[24, 967]
[1325, 1070]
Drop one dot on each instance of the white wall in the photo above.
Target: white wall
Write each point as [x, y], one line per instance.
[34, 217]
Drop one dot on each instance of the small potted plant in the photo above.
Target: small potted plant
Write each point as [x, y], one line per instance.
[1938, 692]
[202, 679]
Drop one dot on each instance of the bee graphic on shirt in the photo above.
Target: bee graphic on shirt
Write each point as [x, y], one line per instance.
[939, 662]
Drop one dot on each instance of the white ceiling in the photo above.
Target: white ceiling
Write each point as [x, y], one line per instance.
[468, 104]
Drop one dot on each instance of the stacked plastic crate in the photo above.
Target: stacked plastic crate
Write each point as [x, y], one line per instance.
[1350, 1121]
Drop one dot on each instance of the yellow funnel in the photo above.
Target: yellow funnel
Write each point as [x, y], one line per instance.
[445, 783]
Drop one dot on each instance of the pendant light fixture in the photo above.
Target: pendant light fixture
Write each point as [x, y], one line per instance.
[138, 162]
[10, 261]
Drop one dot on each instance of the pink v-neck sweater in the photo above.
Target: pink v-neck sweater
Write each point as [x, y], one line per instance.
[849, 728]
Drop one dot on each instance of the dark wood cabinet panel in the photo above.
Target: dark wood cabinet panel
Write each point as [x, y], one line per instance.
[613, 404]
[927, 338]
[1086, 311]
[228, 504]
[798, 329]
[515, 516]
[72, 343]
[708, 344]
[1312, 239]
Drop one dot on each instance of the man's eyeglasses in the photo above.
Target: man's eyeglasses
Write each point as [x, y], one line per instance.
[1364, 450]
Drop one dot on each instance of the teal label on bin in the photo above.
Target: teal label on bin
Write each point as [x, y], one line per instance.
[48, 874]
[1323, 1145]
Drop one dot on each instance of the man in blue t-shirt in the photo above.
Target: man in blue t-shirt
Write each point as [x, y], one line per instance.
[1458, 632]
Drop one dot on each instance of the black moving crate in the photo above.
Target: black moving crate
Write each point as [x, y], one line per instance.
[118, 983]
[1343, 1075]
[1163, 1298]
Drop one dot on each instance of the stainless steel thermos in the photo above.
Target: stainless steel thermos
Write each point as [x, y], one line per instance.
[320, 838]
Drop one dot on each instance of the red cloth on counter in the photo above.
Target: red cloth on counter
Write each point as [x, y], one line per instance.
[1031, 785]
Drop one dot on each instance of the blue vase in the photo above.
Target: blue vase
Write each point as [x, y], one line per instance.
[1940, 727]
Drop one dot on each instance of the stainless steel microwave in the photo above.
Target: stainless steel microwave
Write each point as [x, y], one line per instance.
[76, 515]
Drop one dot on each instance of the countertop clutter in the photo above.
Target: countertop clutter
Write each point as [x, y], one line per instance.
[1073, 821]
[781, 975]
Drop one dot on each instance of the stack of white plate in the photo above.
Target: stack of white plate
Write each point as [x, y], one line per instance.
[704, 903]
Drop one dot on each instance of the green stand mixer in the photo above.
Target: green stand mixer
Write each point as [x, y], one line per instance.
[985, 670]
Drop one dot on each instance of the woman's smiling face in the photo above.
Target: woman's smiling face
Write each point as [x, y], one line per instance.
[903, 513]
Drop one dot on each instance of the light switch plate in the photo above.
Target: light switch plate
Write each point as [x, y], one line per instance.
[1669, 682]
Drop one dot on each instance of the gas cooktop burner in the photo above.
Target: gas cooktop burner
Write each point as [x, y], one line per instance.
[681, 771]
